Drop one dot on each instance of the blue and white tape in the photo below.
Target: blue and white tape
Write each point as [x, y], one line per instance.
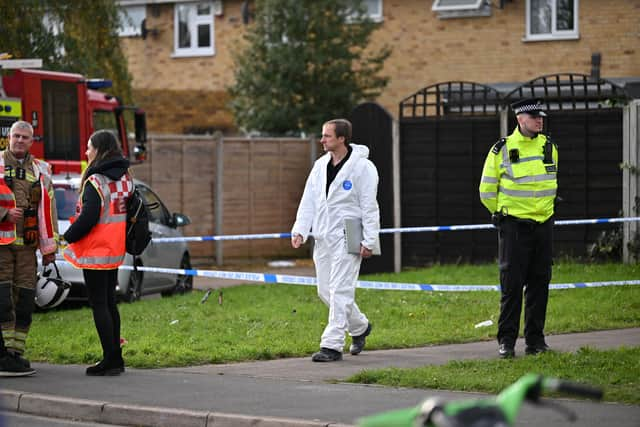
[365, 284]
[385, 230]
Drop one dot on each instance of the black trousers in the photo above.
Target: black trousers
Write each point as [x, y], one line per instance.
[101, 289]
[525, 257]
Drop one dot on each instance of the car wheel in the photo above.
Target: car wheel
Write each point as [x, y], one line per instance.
[184, 283]
[134, 290]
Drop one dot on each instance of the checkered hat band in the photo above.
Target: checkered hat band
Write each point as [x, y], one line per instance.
[525, 108]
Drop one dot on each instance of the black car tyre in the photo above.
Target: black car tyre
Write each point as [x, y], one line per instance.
[184, 282]
[134, 290]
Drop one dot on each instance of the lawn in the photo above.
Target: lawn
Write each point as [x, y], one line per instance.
[261, 322]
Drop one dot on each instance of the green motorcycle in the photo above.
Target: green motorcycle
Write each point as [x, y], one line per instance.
[498, 411]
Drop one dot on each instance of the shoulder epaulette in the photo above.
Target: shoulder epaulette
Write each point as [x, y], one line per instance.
[549, 140]
[498, 145]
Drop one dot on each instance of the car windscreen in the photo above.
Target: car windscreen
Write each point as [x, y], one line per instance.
[66, 198]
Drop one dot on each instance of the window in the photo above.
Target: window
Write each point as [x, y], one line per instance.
[66, 199]
[60, 120]
[373, 11]
[452, 5]
[55, 26]
[552, 20]
[131, 18]
[194, 29]
[461, 8]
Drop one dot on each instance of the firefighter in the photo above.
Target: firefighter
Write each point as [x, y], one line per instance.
[28, 221]
[518, 187]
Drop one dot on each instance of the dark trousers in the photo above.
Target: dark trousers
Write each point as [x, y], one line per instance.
[525, 257]
[101, 289]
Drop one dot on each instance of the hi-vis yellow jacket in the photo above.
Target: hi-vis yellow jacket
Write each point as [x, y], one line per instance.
[517, 181]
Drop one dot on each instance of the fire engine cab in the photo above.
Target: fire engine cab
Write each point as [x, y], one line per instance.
[64, 110]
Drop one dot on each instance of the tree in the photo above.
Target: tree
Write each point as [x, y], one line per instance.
[305, 61]
[78, 36]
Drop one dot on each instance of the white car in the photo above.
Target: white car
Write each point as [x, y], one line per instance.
[131, 285]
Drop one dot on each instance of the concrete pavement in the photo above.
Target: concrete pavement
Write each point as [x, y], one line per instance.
[285, 392]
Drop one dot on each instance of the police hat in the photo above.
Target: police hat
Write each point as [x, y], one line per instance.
[531, 106]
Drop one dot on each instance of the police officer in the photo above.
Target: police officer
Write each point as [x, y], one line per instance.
[28, 221]
[518, 187]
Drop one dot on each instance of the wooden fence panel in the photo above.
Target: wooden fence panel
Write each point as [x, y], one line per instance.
[262, 181]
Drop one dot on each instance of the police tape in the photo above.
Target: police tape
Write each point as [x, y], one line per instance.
[364, 284]
[385, 230]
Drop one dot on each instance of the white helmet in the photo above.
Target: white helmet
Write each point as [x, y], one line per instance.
[51, 290]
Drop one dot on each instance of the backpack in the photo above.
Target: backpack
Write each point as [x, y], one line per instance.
[138, 235]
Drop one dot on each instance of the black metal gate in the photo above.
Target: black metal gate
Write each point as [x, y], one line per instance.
[373, 127]
[446, 131]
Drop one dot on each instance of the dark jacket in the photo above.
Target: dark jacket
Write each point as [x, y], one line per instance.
[112, 168]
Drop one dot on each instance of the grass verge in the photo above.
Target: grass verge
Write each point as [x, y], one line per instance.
[617, 371]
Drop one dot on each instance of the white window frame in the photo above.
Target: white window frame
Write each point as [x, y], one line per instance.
[470, 5]
[179, 52]
[55, 26]
[554, 34]
[375, 17]
[131, 18]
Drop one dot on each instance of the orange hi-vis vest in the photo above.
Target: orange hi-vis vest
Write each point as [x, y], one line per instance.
[46, 229]
[103, 248]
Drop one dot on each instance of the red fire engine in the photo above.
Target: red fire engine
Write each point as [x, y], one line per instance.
[64, 110]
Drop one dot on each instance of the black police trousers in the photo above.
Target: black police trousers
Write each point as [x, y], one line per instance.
[525, 255]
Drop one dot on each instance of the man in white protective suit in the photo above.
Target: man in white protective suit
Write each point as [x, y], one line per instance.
[342, 184]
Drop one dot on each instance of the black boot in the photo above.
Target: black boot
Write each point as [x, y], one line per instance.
[105, 367]
[119, 361]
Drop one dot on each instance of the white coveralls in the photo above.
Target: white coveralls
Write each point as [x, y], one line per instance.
[352, 194]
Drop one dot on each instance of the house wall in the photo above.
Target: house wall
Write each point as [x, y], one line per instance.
[189, 94]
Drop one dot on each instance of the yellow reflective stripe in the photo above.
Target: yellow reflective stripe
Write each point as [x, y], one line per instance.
[487, 195]
[530, 178]
[489, 180]
[527, 193]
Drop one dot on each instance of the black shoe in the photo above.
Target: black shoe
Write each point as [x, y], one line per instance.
[326, 355]
[357, 343]
[119, 361]
[536, 349]
[102, 369]
[11, 367]
[120, 364]
[21, 360]
[506, 351]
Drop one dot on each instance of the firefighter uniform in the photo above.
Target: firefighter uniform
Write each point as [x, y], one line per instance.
[25, 185]
[518, 187]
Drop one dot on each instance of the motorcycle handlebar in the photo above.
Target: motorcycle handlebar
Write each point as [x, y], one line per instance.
[572, 388]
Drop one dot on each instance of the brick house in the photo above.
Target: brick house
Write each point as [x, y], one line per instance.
[183, 64]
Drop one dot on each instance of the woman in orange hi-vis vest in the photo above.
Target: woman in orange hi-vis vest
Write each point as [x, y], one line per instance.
[96, 240]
